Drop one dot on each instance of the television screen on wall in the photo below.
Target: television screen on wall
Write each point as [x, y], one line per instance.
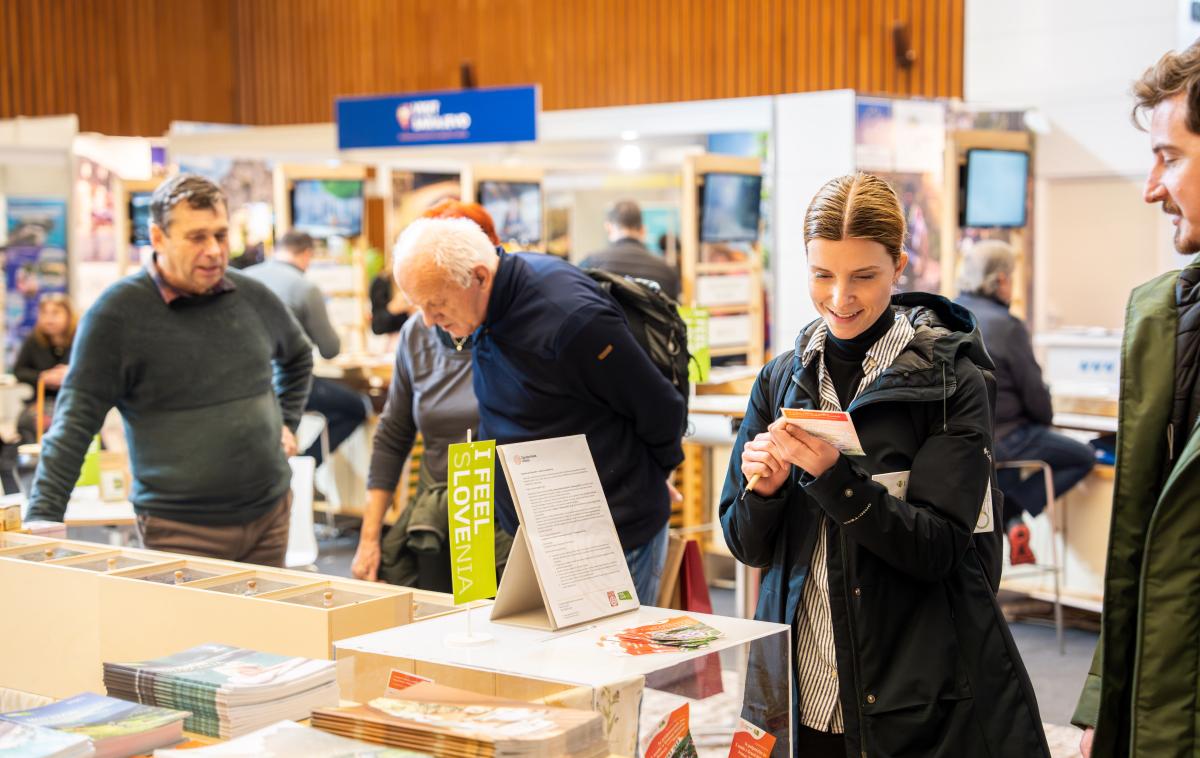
[328, 207]
[139, 218]
[515, 208]
[729, 208]
[996, 185]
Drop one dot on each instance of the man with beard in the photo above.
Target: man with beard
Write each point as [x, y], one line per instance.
[1142, 696]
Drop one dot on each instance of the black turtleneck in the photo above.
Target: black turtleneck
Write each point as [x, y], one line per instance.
[844, 358]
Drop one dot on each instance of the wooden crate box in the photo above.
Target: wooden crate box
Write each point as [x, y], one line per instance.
[83, 604]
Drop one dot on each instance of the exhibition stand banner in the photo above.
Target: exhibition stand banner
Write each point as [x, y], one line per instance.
[494, 114]
[697, 337]
[566, 565]
[471, 475]
[35, 263]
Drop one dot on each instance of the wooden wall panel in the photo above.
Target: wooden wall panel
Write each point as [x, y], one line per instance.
[125, 66]
[132, 66]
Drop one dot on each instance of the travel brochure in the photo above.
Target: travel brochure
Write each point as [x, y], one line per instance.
[19, 740]
[115, 727]
[230, 691]
[674, 635]
[286, 739]
[450, 722]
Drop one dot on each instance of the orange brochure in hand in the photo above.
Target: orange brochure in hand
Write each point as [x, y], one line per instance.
[834, 427]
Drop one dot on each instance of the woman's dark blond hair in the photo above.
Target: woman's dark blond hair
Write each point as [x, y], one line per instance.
[64, 302]
[1174, 73]
[857, 206]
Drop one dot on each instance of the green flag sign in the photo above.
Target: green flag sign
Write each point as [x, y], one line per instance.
[697, 337]
[472, 501]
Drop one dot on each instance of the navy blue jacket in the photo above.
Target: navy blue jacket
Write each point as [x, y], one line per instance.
[555, 357]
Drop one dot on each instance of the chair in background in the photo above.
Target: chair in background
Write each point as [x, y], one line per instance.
[1054, 567]
[302, 536]
[314, 426]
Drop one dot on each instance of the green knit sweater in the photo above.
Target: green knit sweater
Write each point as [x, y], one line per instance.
[204, 386]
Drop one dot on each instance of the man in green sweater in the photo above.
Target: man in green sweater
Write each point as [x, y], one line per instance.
[210, 372]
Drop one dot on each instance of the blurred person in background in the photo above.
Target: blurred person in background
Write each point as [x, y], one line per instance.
[1023, 411]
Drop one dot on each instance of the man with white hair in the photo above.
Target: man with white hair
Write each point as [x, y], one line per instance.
[553, 356]
[1023, 410]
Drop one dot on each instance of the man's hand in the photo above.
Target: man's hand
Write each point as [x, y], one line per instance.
[288, 441]
[799, 448]
[1085, 742]
[673, 493]
[366, 560]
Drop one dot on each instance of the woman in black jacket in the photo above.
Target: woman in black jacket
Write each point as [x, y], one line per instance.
[44, 355]
[885, 565]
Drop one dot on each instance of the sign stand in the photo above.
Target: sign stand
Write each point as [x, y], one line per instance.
[470, 638]
[566, 566]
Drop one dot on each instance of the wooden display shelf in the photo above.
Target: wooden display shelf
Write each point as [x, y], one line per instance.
[64, 617]
[51, 551]
[16, 539]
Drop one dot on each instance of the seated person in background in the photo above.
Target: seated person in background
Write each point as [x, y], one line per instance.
[627, 253]
[431, 393]
[1023, 411]
[344, 409]
[44, 356]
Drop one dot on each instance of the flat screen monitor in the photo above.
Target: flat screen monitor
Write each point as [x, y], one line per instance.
[730, 208]
[515, 208]
[328, 207]
[139, 218]
[996, 184]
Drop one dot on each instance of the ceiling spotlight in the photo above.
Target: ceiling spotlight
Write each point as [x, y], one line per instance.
[629, 158]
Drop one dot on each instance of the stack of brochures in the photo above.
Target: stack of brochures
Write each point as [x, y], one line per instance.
[28, 741]
[116, 728]
[287, 739]
[451, 722]
[230, 691]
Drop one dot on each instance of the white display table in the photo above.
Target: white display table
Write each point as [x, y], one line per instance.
[531, 664]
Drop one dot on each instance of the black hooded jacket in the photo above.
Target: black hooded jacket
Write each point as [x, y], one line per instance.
[927, 664]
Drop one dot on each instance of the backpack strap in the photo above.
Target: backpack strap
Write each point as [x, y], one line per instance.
[778, 383]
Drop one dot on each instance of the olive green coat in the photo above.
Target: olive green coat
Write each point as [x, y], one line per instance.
[1142, 692]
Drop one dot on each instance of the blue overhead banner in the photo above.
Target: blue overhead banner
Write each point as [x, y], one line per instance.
[497, 114]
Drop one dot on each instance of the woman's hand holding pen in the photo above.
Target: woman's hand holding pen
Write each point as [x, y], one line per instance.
[768, 458]
[761, 465]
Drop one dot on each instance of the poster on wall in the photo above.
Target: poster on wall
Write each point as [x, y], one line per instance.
[661, 223]
[93, 212]
[921, 198]
[873, 138]
[249, 187]
[919, 134]
[36, 222]
[30, 272]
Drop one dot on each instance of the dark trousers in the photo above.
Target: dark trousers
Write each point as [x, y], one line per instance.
[1070, 460]
[809, 743]
[343, 409]
[263, 541]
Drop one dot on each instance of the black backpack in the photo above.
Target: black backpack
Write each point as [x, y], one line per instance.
[655, 322]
